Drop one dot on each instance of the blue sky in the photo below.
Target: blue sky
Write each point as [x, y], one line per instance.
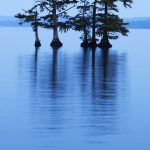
[140, 8]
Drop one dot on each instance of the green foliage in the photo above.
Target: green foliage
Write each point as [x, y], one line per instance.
[55, 13]
[100, 15]
[30, 16]
[108, 20]
[82, 21]
[127, 3]
[113, 25]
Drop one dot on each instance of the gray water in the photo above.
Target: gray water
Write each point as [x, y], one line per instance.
[74, 99]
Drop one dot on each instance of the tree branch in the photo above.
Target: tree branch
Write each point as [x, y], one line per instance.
[42, 4]
[47, 8]
[66, 10]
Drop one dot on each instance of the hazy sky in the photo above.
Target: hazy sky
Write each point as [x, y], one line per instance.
[11, 7]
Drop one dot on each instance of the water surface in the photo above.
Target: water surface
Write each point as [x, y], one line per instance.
[73, 98]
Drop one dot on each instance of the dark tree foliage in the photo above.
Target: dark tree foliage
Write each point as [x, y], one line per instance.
[31, 16]
[97, 18]
[110, 25]
[56, 16]
[82, 22]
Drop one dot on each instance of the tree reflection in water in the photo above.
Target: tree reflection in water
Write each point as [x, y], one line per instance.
[77, 95]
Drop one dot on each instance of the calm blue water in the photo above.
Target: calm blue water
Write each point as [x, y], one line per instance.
[74, 99]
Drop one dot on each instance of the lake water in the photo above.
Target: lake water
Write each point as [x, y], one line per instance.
[74, 99]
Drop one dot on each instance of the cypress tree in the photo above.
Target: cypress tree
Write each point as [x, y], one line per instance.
[31, 16]
[110, 25]
[56, 16]
[82, 22]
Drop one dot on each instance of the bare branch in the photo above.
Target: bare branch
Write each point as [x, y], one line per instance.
[66, 10]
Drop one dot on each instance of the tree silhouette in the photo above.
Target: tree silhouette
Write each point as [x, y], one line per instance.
[98, 18]
[110, 24]
[82, 22]
[31, 16]
[56, 16]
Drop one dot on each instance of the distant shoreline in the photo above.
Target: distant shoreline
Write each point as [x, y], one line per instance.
[134, 23]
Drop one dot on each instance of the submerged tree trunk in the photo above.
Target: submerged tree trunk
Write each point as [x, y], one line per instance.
[37, 41]
[85, 42]
[105, 40]
[93, 41]
[55, 42]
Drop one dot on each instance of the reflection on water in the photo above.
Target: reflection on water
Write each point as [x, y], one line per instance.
[72, 98]
[76, 99]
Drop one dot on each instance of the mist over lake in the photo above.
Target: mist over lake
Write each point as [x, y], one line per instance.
[73, 98]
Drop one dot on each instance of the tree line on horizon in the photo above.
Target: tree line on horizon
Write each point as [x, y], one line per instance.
[97, 20]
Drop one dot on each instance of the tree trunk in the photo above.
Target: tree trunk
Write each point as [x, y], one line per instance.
[55, 42]
[93, 41]
[37, 41]
[105, 40]
[85, 42]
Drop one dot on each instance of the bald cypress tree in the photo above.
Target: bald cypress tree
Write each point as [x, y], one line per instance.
[31, 16]
[110, 25]
[82, 22]
[56, 16]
